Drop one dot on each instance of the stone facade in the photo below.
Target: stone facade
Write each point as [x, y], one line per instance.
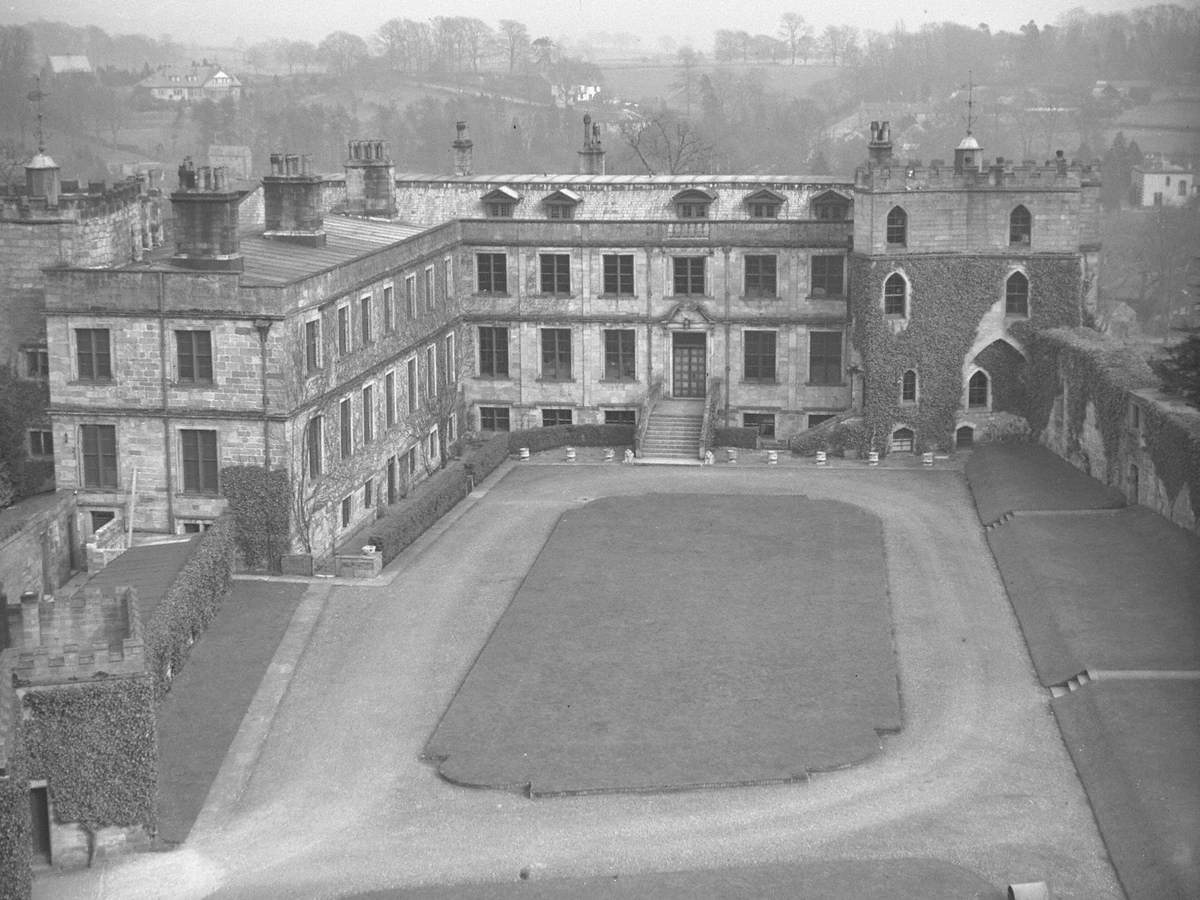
[351, 350]
[37, 550]
[951, 264]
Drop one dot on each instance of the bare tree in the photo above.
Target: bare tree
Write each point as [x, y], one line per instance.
[793, 29]
[515, 37]
[667, 145]
[343, 52]
[686, 84]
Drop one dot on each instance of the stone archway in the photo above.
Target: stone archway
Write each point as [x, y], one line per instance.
[1006, 369]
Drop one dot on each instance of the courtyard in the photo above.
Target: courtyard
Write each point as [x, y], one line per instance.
[328, 788]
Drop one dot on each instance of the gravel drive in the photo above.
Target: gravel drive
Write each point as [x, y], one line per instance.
[339, 801]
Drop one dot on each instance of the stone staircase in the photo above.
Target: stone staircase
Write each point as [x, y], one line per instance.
[674, 430]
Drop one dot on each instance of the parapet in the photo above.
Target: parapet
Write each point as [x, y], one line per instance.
[1055, 174]
[76, 203]
[86, 636]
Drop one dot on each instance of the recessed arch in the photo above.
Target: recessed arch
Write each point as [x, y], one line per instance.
[903, 440]
[964, 436]
[908, 387]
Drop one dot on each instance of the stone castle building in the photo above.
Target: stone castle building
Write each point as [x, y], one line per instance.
[365, 322]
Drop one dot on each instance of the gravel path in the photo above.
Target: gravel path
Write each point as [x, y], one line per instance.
[339, 800]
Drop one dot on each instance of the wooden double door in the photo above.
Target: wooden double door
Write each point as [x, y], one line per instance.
[689, 364]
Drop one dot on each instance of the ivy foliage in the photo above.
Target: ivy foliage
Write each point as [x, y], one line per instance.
[948, 297]
[1179, 368]
[16, 879]
[261, 503]
[96, 746]
[1102, 373]
[191, 602]
[22, 406]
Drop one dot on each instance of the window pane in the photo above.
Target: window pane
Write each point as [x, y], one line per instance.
[825, 357]
[759, 356]
[760, 276]
[556, 354]
[619, 355]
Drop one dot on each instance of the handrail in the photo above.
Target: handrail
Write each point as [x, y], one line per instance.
[652, 397]
[711, 404]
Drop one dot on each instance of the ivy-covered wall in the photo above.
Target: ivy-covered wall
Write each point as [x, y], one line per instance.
[97, 747]
[261, 504]
[949, 296]
[1083, 391]
[16, 880]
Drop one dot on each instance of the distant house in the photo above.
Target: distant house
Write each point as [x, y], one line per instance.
[187, 84]
[574, 94]
[70, 65]
[1162, 184]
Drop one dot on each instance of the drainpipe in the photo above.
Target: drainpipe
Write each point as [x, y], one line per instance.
[263, 326]
[166, 420]
[649, 324]
[725, 279]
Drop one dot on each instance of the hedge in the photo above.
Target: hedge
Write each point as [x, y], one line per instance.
[97, 747]
[837, 435]
[408, 520]
[16, 878]
[744, 438]
[190, 604]
[441, 492]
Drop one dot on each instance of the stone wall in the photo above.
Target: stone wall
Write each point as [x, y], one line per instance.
[1099, 408]
[35, 545]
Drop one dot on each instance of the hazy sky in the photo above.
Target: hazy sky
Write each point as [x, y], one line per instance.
[224, 21]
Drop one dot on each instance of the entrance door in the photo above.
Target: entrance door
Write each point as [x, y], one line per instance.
[688, 372]
[39, 814]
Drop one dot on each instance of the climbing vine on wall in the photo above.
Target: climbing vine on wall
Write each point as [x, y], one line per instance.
[1102, 373]
[15, 875]
[261, 504]
[948, 296]
[95, 744]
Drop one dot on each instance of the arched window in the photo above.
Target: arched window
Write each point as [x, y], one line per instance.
[964, 436]
[977, 390]
[1020, 225]
[1016, 295]
[908, 387]
[902, 440]
[897, 226]
[895, 295]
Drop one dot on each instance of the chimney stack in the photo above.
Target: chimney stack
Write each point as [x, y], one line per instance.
[292, 198]
[370, 180]
[879, 147]
[591, 155]
[206, 219]
[462, 150]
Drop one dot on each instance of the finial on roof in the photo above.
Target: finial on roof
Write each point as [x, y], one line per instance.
[37, 95]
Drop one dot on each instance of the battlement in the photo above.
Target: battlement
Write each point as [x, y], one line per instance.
[76, 203]
[85, 636]
[1002, 175]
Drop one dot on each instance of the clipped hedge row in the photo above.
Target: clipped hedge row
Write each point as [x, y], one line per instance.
[16, 878]
[743, 438]
[407, 521]
[538, 439]
[191, 602]
[836, 436]
[97, 747]
[483, 458]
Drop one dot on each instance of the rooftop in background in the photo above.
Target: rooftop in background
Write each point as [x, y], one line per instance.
[632, 180]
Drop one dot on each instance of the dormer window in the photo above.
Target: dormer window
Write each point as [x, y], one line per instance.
[831, 207]
[765, 204]
[500, 203]
[693, 203]
[561, 204]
